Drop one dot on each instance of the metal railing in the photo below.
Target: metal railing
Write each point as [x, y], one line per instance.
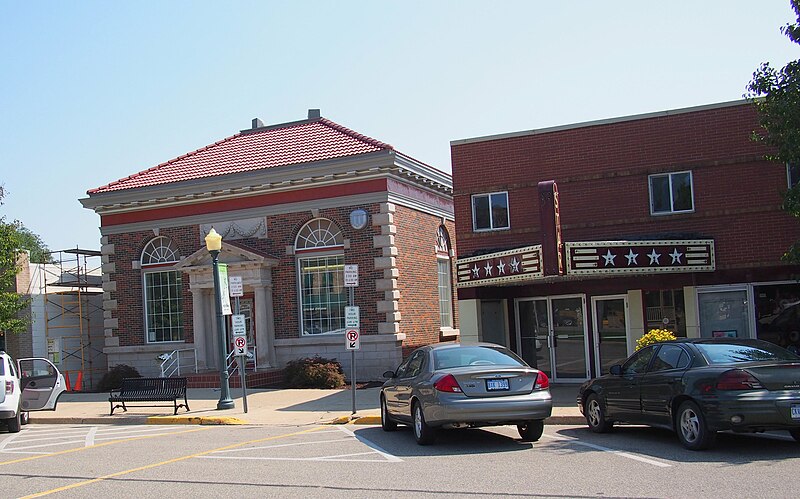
[174, 362]
[233, 366]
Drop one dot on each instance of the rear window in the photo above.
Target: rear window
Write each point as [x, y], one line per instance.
[727, 353]
[474, 356]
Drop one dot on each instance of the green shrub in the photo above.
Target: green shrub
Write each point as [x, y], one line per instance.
[654, 336]
[112, 380]
[314, 372]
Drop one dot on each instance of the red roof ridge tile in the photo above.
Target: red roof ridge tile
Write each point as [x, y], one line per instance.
[356, 135]
[153, 168]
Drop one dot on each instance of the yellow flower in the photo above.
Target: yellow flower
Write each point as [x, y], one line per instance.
[654, 336]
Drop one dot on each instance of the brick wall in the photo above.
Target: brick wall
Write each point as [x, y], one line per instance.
[602, 176]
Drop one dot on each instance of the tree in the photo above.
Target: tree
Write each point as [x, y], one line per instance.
[11, 303]
[776, 94]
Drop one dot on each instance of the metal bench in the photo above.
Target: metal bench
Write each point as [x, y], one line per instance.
[149, 390]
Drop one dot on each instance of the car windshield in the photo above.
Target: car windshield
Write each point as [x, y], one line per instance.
[472, 356]
[726, 353]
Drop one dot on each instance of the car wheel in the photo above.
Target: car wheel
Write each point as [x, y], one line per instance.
[25, 417]
[531, 431]
[692, 429]
[795, 433]
[13, 423]
[596, 415]
[423, 433]
[386, 421]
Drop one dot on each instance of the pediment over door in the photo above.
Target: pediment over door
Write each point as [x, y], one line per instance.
[251, 265]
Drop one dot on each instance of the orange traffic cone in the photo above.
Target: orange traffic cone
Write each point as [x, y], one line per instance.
[66, 380]
[78, 382]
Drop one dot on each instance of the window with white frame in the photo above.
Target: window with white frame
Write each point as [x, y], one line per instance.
[163, 291]
[671, 193]
[320, 265]
[490, 211]
[445, 278]
[793, 173]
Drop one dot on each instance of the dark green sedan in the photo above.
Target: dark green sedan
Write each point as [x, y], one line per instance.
[697, 387]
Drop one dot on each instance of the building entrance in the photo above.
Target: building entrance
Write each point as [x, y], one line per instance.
[610, 319]
[551, 334]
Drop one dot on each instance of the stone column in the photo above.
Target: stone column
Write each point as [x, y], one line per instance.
[199, 325]
[265, 326]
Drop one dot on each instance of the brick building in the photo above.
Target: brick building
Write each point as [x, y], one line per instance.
[294, 203]
[585, 236]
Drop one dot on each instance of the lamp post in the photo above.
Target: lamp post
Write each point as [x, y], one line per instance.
[214, 244]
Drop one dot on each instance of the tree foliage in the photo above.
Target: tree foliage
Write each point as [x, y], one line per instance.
[776, 94]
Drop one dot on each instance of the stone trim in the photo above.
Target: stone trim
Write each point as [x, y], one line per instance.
[388, 263]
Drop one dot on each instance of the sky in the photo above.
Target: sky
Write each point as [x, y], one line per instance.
[94, 91]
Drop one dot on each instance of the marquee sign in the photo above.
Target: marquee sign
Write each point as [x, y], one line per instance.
[519, 264]
[640, 257]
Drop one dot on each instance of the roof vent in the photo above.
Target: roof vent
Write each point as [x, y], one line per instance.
[257, 123]
[313, 114]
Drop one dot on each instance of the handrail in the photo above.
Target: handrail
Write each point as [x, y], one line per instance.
[171, 362]
[233, 366]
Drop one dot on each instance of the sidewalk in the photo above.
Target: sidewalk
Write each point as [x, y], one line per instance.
[289, 407]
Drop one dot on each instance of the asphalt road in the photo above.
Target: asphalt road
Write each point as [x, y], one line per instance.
[343, 461]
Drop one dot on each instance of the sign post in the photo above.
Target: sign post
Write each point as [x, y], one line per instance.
[352, 323]
[239, 330]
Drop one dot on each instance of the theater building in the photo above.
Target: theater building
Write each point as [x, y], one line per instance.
[295, 203]
[586, 236]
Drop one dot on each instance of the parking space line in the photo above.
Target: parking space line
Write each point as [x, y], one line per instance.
[161, 463]
[288, 445]
[389, 457]
[620, 453]
[89, 441]
[321, 458]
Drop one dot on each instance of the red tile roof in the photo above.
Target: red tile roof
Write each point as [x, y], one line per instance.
[303, 142]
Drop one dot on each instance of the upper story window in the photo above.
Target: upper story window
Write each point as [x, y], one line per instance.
[321, 277]
[490, 211]
[671, 193]
[163, 291]
[793, 174]
[445, 273]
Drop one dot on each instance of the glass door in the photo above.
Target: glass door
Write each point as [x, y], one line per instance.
[724, 313]
[610, 318]
[552, 336]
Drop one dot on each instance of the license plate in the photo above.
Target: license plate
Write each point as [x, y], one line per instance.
[795, 411]
[502, 384]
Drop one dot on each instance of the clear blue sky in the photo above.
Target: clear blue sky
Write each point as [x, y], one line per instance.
[94, 91]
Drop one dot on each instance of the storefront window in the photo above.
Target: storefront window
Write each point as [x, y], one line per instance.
[665, 310]
[778, 313]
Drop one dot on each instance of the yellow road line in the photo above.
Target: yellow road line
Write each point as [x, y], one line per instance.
[111, 442]
[169, 461]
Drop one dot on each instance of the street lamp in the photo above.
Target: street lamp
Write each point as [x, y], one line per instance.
[214, 244]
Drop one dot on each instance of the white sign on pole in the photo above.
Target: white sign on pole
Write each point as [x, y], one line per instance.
[352, 339]
[235, 282]
[225, 295]
[238, 325]
[240, 345]
[351, 318]
[351, 276]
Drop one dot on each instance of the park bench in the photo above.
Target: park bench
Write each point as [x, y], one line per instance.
[149, 390]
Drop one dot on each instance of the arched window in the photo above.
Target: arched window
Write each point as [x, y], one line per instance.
[320, 268]
[163, 291]
[445, 278]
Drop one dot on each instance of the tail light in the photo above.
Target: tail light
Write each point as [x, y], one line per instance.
[737, 379]
[448, 384]
[10, 386]
[542, 381]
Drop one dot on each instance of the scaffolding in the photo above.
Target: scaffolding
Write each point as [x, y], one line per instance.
[73, 316]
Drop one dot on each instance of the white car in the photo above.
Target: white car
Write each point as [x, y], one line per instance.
[27, 385]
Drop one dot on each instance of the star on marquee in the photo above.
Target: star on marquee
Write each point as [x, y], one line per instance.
[631, 256]
[514, 265]
[488, 269]
[501, 268]
[609, 258]
[676, 256]
[476, 271]
[654, 257]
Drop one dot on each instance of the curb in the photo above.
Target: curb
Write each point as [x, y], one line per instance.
[199, 420]
[376, 420]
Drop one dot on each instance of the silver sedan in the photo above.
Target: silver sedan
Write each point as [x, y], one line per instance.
[455, 385]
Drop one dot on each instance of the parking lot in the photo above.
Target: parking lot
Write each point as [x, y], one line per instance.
[364, 461]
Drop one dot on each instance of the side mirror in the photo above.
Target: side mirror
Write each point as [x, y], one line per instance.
[616, 370]
[388, 374]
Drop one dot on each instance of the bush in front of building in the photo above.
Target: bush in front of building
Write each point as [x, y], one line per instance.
[314, 372]
[654, 336]
[112, 380]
